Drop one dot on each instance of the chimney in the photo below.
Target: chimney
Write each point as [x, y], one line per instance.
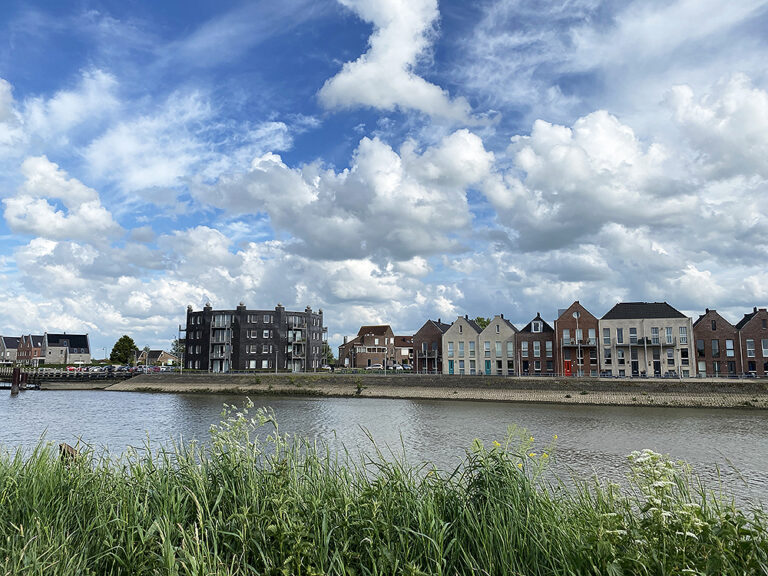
[345, 339]
[502, 316]
[438, 321]
[706, 310]
[754, 309]
[466, 316]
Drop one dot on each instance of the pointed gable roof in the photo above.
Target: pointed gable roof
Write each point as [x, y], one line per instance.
[708, 314]
[11, 342]
[544, 326]
[747, 317]
[380, 330]
[637, 310]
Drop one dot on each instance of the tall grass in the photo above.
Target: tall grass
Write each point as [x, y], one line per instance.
[253, 502]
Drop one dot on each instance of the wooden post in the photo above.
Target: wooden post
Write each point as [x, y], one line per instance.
[15, 381]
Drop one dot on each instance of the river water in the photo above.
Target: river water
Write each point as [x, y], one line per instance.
[728, 446]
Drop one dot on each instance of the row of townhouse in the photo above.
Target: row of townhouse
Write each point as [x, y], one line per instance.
[38, 350]
[631, 339]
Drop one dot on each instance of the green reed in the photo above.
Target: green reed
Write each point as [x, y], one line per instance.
[252, 501]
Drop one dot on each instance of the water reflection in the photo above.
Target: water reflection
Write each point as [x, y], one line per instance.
[591, 439]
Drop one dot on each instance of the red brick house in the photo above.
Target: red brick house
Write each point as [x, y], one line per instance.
[753, 340]
[30, 350]
[717, 348]
[372, 345]
[576, 343]
[536, 349]
[428, 347]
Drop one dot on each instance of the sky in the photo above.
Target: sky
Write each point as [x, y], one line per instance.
[387, 161]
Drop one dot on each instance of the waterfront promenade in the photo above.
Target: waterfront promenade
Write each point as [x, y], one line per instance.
[646, 392]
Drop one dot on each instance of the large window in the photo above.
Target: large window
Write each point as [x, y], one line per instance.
[633, 335]
[654, 335]
[566, 336]
[510, 349]
[619, 335]
[450, 349]
[700, 349]
[536, 349]
[729, 348]
[461, 349]
[765, 347]
[669, 334]
[670, 357]
[548, 345]
[498, 349]
[524, 349]
[606, 336]
[620, 357]
[715, 348]
[750, 348]
[683, 335]
[471, 349]
[607, 356]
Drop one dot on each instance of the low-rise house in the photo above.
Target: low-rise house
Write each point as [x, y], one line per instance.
[428, 347]
[372, 345]
[460, 344]
[30, 350]
[157, 358]
[403, 350]
[716, 342]
[65, 349]
[645, 339]
[497, 347]
[576, 344]
[9, 348]
[753, 339]
[536, 348]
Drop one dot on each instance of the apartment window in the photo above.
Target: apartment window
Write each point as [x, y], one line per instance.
[683, 335]
[750, 348]
[714, 325]
[633, 335]
[729, 348]
[461, 349]
[670, 357]
[567, 354]
[450, 349]
[620, 357]
[487, 348]
[592, 337]
[471, 349]
[266, 334]
[536, 349]
[548, 345]
[536, 326]
[700, 349]
[375, 341]
[497, 328]
[267, 318]
[715, 348]
[607, 356]
[524, 349]
[765, 323]
[592, 356]
[498, 349]
[684, 356]
[461, 366]
[265, 363]
[550, 366]
[764, 342]
[716, 367]
[510, 349]
[606, 336]
[537, 365]
[566, 336]
[266, 349]
[619, 335]
[669, 334]
[472, 367]
[654, 335]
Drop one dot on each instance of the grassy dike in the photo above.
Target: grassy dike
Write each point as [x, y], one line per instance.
[645, 392]
[255, 502]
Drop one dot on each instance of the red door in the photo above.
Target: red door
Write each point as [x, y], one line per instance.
[567, 367]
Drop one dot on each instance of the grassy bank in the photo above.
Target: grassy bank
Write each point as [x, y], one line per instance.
[255, 502]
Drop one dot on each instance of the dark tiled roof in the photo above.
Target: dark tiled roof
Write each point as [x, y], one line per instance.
[375, 330]
[544, 328]
[355, 340]
[75, 340]
[715, 315]
[36, 341]
[634, 310]
[11, 342]
[442, 326]
[403, 341]
[747, 318]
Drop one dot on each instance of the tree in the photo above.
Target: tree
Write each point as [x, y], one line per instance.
[327, 354]
[124, 350]
[177, 348]
[482, 322]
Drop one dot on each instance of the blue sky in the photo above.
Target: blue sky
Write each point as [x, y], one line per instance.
[386, 161]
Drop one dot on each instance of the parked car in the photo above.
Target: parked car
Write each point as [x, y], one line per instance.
[407, 367]
[374, 367]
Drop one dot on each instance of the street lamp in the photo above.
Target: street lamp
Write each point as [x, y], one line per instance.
[577, 315]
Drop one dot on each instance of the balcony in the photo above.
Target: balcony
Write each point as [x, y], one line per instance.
[669, 341]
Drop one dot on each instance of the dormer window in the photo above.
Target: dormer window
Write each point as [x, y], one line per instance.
[536, 326]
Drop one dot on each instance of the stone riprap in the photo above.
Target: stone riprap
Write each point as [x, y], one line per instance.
[639, 392]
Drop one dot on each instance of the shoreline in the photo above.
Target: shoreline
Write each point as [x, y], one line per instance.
[585, 391]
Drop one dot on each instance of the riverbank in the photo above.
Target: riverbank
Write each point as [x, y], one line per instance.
[678, 393]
